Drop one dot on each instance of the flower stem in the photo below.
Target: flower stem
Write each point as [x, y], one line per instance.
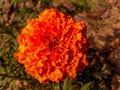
[67, 84]
[56, 86]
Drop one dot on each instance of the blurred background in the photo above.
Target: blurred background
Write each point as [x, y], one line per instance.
[102, 18]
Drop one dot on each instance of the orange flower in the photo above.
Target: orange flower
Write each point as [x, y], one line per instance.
[52, 46]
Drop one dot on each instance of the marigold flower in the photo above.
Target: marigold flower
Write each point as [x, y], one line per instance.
[52, 46]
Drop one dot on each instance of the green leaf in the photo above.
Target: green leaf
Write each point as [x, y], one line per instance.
[14, 2]
[86, 86]
[67, 85]
[12, 83]
[104, 67]
[2, 70]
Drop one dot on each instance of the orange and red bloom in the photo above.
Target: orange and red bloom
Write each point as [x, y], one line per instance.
[52, 46]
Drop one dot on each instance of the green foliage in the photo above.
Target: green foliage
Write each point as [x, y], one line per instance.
[82, 5]
[86, 86]
[93, 77]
